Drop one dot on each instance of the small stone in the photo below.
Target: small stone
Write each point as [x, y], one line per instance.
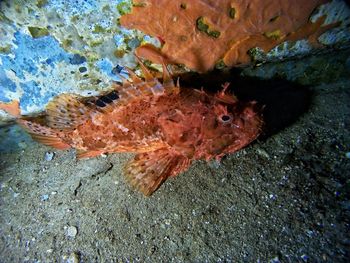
[272, 196]
[72, 258]
[152, 250]
[347, 155]
[72, 231]
[215, 164]
[345, 205]
[49, 156]
[304, 257]
[134, 43]
[263, 153]
[44, 197]
[274, 260]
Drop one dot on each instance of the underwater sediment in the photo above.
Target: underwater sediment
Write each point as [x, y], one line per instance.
[283, 198]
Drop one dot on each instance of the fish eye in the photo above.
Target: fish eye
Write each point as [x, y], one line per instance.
[225, 118]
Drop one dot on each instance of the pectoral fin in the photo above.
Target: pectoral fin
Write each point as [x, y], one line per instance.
[88, 154]
[149, 170]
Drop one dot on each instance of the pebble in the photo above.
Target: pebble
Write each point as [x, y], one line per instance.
[152, 250]
[214, 164]
[275, 260]
[263, 153]
[272, 196]
[72, 258]
[347, 155]
[44, 197]
[49, 156]
[304, 257]
[72, 231]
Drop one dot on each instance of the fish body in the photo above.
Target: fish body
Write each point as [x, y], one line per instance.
[166, 126]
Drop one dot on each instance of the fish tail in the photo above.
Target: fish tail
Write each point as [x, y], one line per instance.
[43, 134]
[38, 132]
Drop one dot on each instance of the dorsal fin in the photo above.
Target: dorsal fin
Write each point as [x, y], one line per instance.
[135, 79]
[124, 93]
[146, 73]
[224, 96]
[66, 111]
[105, 100]
[136, 88]
[168, 82]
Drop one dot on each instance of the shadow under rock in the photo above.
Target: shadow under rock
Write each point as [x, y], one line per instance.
[283, 101]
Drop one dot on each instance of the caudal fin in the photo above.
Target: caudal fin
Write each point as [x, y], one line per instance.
[39, 132]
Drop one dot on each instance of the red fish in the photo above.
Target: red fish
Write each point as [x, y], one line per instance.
[168, 127]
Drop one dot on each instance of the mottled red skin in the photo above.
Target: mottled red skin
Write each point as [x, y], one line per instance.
[187, 123]
[167, 127]
[184, 126]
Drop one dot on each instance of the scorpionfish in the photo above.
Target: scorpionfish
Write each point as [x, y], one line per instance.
[166, 126]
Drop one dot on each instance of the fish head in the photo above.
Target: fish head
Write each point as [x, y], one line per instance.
[230, 127]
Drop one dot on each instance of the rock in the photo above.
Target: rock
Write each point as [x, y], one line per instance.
[72, 231]
[72, 258]
[44, 197]
[49, 156]
[263, 153]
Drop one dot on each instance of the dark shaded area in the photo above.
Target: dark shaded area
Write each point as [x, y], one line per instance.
[82, 69]
[282, 101]
[76, 59]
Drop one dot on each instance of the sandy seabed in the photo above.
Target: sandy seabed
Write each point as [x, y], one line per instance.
[284, 198]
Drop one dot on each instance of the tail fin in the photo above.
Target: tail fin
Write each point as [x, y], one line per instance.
[39, 132]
